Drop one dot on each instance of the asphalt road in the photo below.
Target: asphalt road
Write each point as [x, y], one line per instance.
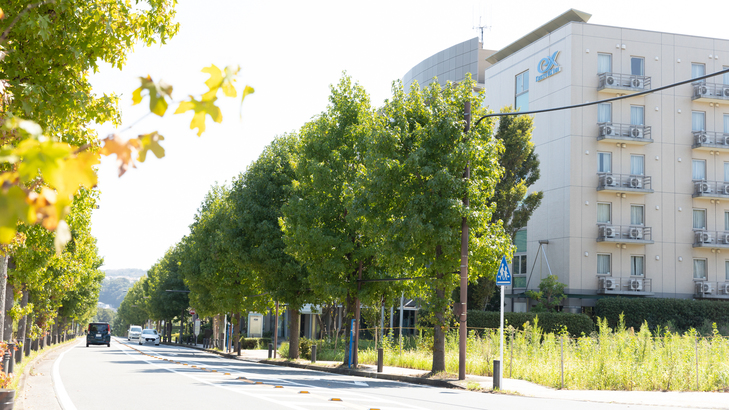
[127, 375]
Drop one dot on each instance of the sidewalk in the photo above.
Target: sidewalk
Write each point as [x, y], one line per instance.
[692, 400]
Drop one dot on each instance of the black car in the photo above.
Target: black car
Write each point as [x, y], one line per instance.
[98, 334]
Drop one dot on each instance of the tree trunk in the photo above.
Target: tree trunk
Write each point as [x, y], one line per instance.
[8, 327]
[3, 282]
[294, 329]
[438, 334]
[237, 333]
[23, 321]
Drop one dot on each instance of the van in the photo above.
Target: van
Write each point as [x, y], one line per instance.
[98, 334]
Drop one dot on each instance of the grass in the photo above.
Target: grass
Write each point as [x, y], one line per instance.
[473, 386]
[608, 359]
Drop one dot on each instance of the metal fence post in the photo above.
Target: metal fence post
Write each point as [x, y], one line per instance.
[561, 349]
[313, 353]
[697, 363]
[511, 352]
[380, 359]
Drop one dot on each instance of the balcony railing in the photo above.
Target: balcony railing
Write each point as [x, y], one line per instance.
[711, 290]
[710, 140]
[624, 233]
[624, 183]
[625, 83]
[633, 285]
[637, 134]
[711, 92]
[711, 239]
[711, 189]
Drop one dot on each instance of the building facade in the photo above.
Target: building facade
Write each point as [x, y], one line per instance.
[636, 191]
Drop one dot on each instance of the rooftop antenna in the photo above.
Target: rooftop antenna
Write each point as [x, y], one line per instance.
[481, 27]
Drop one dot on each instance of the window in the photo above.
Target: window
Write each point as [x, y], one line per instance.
[636, 266]
[519, 270]
[636, 214]
[726, 270]
[604, 160]
[603, 263]
[698, 70]
[726, 172]
[726, 220]
[637, 66]
[604, 63]
[699, 268]
[700, 219]
[605, 113]
[522, 91]
[725, 77]
[603, 212]
[637, 115]
[726, 123]
[637, 165]
[698, 170]
[698, 121]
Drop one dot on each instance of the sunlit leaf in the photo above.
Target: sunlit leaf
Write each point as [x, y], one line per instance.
[63, 236]
[157, 95]
[229, 81]
[246, 91]
[124, 150]
[201, 108]
[151, 142]
[13, 208]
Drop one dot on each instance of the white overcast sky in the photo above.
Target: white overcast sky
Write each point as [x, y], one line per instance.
[290, 52]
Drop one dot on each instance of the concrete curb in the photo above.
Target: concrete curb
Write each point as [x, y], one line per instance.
[21, 382]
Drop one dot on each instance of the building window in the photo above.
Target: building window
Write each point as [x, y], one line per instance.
[637, 66]
[637, 165]
[603, 263]
[637, 266]
[604, 63]
[726, 172]
[637, 115]
[522, 91]
[604, 162]
[636, 214]
[699, 268]
[698, 169]
[603, 212]
[726, 122]
[519, 270]
[605, 113]
[726, 220]
[726, 271]
[698, 70]
[726, 79]
[698, 121]
[700, 219]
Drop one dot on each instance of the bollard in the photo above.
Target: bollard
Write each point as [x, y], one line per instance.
[6, 361]
[7, 396]
[11, 353]
[313, 353]
[27, 345]
[270, 350]
[380, 359]
[497, 375]
[35, 344]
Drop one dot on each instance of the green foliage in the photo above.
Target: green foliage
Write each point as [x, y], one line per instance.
[104, 315]
[305, 347]
[255, 343]
[574, 324]
[682, 314]
[113, 291]
[165, 275]
[133, 309]
[550, 295]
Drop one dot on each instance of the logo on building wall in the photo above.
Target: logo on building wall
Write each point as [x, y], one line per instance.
[548, 67]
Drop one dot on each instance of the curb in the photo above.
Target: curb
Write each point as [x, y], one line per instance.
[21, 382]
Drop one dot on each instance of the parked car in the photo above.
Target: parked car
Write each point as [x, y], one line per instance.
[98, 334]
[149, 335]
[134, 332]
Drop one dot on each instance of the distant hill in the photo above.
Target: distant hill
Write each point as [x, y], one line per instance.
[113, 291]
[125, 273]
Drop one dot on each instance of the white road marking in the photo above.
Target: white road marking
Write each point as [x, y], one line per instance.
[61, 394]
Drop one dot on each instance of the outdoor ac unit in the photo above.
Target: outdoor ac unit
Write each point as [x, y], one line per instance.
[636, 182]
[704, 187]
[608, 131]
[610, 283]
[725, 238]
[610, 80]
[704, 237]
[725, 191]
[726, 139]
[636, 285]
[611, 180]
[637, 83]
[637, 132]
[726, 92]
[725, 288]
[703, 90]
[609, 232]
[706, 287]
[702, 138]
[636, 233]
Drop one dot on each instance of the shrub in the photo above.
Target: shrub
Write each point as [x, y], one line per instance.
[283, 350]
[574, 324]
[681, 314]
[255, 343]
[305, 348]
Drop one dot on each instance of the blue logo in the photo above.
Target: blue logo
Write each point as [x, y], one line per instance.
[548, 66]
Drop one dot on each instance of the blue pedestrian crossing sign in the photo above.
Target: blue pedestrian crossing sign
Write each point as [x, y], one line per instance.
[503, 277]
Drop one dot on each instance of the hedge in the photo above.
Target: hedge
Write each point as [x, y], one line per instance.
[576, 324]
[683, 314]
[255, 343]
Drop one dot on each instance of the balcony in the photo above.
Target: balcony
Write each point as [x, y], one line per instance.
[624, 234]
[624, 183]
[631, 286]
[717, 93]
[708, 140]
[711, 239]
[623, 83]
[711, 189]
[711, 290]
[631, 134]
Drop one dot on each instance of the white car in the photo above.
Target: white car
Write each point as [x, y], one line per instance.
[149, 335]
[134, 332]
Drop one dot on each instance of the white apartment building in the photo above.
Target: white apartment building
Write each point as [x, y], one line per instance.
[636, 192]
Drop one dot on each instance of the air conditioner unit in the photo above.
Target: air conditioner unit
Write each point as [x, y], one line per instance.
[636, 284]
[637, 83]
[725, 190]
[611, 180]
[704, 237]
[702, 138]
[610, 283]
[636, 182]
[706, 287]
[636, 233]
[724, 288]
[609, 232]
[611, 80]
[704, 187]
[636, 132]
[725, 238]
[726, 92]
[703, 90]
[608, 131]
[726, 139]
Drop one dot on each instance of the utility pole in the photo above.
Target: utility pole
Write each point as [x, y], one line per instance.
[462, 329]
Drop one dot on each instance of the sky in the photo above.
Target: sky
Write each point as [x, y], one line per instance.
[291, 52]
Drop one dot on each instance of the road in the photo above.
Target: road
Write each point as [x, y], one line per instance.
[127, 375]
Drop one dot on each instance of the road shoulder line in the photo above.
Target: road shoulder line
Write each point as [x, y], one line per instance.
[64, 400]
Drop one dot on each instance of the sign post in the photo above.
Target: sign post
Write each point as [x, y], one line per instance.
[503, 278]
